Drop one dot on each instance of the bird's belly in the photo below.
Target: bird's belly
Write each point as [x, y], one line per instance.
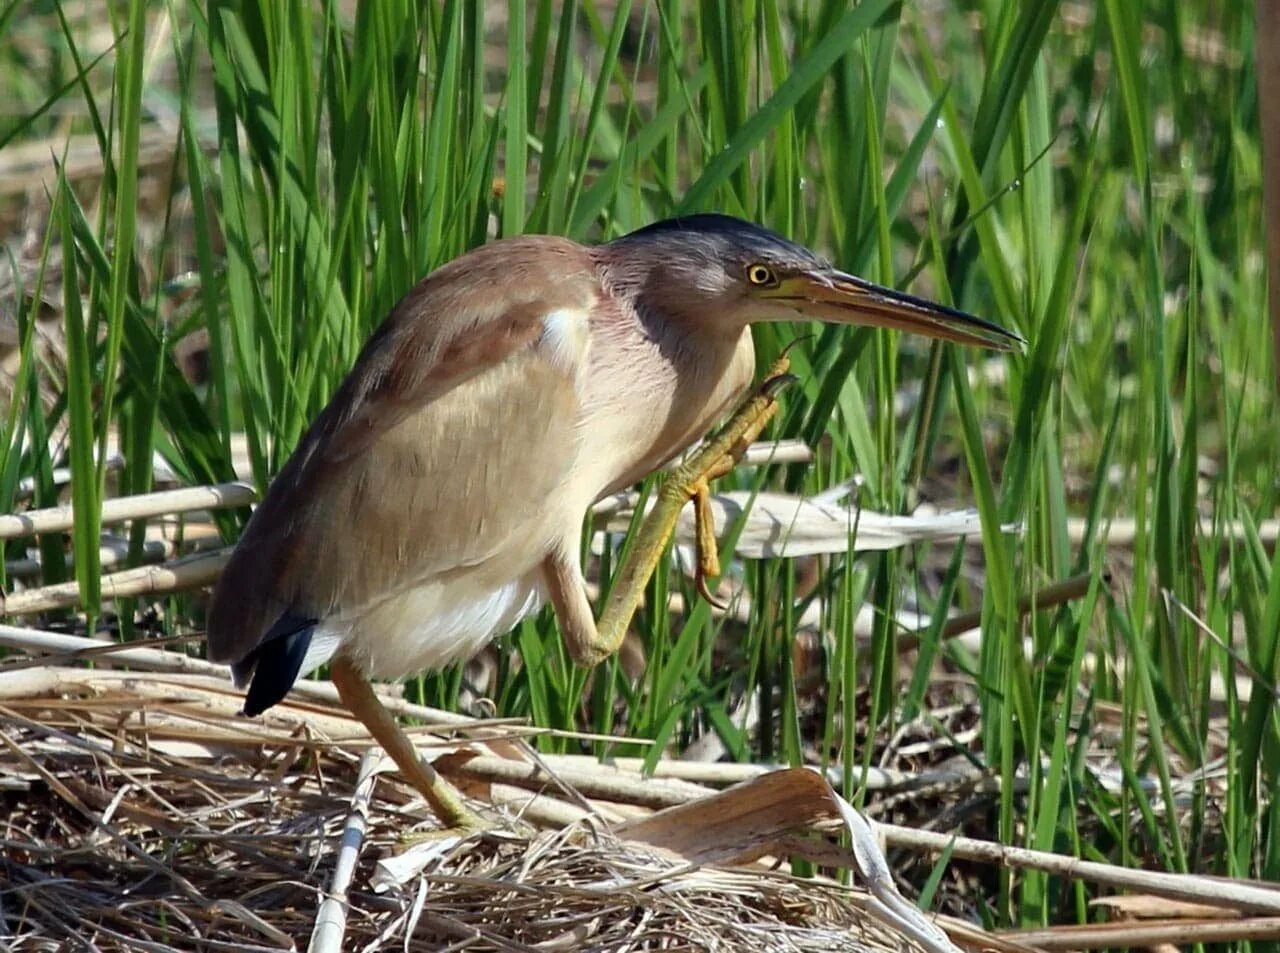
[425, 628]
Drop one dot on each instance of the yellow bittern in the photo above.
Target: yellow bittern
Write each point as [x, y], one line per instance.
[440, 496]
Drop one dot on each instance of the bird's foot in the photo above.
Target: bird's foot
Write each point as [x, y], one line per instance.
[464, 823]
[469, 827]
[717, 457]
[445, 800]
[454, 816]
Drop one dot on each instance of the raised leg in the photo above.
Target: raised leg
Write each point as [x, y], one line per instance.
[590, 642]
[445, 800]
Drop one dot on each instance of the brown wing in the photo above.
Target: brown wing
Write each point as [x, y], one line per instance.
[457, 422]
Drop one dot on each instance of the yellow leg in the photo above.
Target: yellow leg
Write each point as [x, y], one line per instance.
[445, 800]
[688, 481]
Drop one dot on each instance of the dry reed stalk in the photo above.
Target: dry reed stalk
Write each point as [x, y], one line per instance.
[58, 645]
[60, 476]
[112, 552]
[60, 519]
[602, 784]
[331, 918]
[35, 165]
[1178, 933]
[1218, 892]
[178, 575]
[1121, 532]
[164, 540]
[724, 773]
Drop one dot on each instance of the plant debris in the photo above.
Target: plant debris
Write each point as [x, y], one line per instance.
[139, 816]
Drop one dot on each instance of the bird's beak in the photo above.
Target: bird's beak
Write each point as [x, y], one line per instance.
[831, 295]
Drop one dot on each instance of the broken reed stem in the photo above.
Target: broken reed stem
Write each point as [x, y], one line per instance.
[137, 656]
[1045, 598]
[190, 572]
[1173, 932]
[1122, 532]
[331, 917]
[723, 773]
[161, 544]
[1233, 894]
[600, 785]
[61, 476]
[60, 519]
[776, 451]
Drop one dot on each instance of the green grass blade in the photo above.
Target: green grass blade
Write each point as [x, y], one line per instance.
[808, 72]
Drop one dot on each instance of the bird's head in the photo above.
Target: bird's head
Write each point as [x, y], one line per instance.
[719, 268]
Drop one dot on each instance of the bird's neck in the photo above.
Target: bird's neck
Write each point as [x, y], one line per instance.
[674, 382]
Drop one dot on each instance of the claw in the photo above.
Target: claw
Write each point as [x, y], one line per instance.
[705, 531]
[786, 351]
[700, 580]
[774, 385]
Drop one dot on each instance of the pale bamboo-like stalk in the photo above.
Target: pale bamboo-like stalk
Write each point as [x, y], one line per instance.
[1175, 932]
[331, 917]
[59, 519]
[591, 783]
[113, 551]
[191, 572]
[143, 658]
[1232, 894]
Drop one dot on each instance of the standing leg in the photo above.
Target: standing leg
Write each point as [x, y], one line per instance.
[445, 800]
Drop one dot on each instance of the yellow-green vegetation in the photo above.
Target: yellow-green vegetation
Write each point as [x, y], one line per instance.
[275, 175]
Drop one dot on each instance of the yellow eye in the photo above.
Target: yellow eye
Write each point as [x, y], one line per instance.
[761, 276]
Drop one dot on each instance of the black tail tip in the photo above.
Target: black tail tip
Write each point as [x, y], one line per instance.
[276, 663]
